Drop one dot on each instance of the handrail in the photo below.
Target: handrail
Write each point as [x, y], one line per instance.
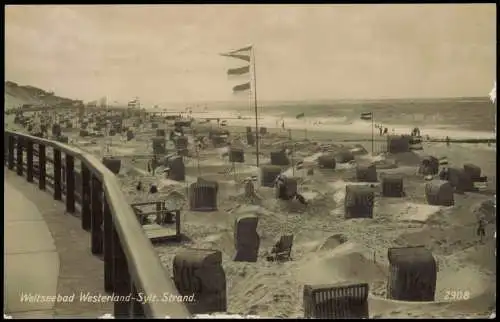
[130, 263]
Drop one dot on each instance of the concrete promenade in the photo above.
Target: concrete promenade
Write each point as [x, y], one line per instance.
[46, 254]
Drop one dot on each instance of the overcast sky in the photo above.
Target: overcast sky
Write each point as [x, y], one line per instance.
[170, 52]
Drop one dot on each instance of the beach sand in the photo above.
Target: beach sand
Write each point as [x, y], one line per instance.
[327, 248]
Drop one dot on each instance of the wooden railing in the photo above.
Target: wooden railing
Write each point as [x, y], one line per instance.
[131, 265]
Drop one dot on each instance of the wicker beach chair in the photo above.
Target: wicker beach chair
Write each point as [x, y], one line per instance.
[282, 250]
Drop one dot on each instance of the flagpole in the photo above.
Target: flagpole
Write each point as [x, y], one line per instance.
[198, 161]
[256, 111]
[305, 129]
[234, 171]
[372, 133]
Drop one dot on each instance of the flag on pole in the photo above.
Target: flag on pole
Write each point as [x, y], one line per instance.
[239, 71]
[241, 87]
[241, 50]
[242, 53]
[299, 116]
[134, 103]
[366, 116]
[242, 57]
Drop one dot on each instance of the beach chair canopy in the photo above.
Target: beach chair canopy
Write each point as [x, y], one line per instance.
[283, 248]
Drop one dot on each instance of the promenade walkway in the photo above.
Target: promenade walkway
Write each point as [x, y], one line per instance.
[46, 254]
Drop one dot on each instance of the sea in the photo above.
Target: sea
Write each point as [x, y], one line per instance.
[467, 118]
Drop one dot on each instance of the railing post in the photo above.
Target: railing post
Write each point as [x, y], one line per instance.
[108, 247]
[29, 161]
[70, 184]
[57, 175]
[178, 224]
[121, 276]
[136, 309]
[19, 152]
[86, 212]
[5, 147]
[96, 216]
[41, 166]
[11, 152]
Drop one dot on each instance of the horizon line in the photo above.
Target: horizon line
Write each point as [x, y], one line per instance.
[486, 97]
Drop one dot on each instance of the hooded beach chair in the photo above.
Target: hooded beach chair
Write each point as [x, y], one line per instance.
[282, 250]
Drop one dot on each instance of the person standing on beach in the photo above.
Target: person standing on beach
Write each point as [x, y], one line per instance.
[447, 141]
[283, 124]
[481, 231]
[380, 129]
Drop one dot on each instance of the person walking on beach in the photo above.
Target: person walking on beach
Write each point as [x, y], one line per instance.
[481, 231]
[154, 164]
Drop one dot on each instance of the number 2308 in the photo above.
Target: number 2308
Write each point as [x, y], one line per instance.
[455, 295]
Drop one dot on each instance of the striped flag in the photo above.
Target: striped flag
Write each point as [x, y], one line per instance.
[366, 116]
[299, 165]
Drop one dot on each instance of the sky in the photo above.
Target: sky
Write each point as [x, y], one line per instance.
[164, 53]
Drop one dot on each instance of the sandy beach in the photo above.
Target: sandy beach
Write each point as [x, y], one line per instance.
[327, 248]
[374, 161]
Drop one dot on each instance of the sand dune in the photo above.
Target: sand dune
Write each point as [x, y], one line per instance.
[345, 263]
